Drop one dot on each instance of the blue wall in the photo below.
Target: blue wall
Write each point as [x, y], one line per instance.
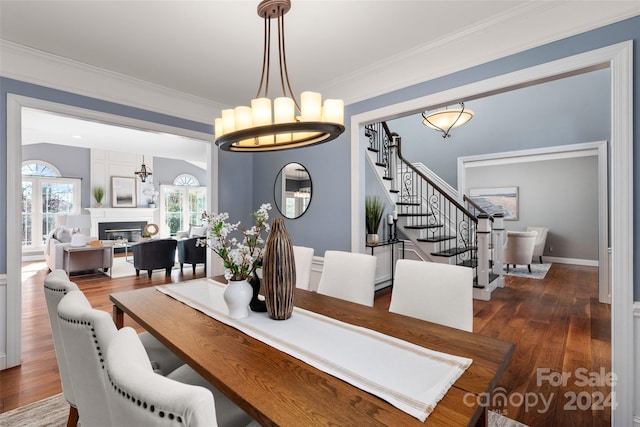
[567, 111]
[329, 222]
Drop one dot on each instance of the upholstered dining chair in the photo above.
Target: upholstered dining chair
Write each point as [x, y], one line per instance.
[349, 276]
[87, 334]
[435, 292]
[541, 241]
[304, 258]
[139, 397]
[519, 247]
[56, 286]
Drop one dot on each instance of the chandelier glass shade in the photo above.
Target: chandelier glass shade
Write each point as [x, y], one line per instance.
[448, 119]
[144, 172]
[283, 123]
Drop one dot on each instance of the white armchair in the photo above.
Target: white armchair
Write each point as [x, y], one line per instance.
[541, 240]
[518, 249]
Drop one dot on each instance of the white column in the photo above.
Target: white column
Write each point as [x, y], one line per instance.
[498, 248]
[483, 233]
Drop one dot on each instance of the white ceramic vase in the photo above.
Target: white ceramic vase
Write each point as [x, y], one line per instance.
[237, 295]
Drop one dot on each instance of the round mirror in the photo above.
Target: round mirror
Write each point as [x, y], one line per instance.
[292, 190]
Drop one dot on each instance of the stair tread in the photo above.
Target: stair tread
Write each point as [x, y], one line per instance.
[384, 165]
[422, 227]
[407, 204]
[453, 251]
[394, 191]
[435, 239]
[375, 150]
[415, 214]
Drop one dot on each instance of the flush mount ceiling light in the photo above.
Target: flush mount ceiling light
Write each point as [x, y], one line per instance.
[252, 129]
[448, 119]
[144, 172]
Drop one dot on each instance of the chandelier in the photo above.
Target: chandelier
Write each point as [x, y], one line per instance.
[446, 120]
[289, 124]
[144, 172]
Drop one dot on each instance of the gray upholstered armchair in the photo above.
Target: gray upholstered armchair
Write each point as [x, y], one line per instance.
[153, 255]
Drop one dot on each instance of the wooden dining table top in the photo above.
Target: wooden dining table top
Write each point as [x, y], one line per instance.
[278, 389]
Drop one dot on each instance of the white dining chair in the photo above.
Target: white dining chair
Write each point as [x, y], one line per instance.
[56, 286]
[86, 335]
[138, 396]
[435, 292]
[349, 276]
[303, 257]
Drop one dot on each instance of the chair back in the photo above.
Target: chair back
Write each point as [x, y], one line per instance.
[435, 292]
[56, 286]
[303, 258]
[518, 248]
[541, 239]
[154, 254]
[86, 334]
[140, 397]
[349, 276]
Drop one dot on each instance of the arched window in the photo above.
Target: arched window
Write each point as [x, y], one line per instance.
[45, 194]
[186, 179]
[182, 204]
[39, 168]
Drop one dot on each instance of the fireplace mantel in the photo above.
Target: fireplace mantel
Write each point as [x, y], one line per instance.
[99, 215]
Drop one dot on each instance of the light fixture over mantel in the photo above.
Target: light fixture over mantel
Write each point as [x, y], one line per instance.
[288, 124]
[447, 119]
[144, 172]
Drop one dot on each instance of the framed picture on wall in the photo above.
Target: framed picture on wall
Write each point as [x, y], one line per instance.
[498, 199]
[123, 192]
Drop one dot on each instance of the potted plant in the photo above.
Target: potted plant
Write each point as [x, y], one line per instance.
[373, 215]
[98, 194]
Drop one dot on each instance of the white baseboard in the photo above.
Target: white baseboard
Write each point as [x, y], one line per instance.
[573, 261]
[3, 308]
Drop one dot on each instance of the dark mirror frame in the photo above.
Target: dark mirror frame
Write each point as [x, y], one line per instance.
[297, 184]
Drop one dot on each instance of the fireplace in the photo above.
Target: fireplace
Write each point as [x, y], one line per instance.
[128, 231]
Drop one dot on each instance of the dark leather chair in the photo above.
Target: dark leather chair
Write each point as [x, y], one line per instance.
[189, 253]
[153, 255]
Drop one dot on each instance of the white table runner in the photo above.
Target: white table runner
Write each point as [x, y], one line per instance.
[410, 377]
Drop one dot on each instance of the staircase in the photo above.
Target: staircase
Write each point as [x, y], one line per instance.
[442, 228]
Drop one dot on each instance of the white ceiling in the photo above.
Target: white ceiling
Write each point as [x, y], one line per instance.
[350, 49]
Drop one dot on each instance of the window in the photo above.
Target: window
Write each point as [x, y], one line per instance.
[181, 206]
[45, 195]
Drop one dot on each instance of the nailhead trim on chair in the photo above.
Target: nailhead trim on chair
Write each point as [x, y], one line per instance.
[144, 404]
[126, 395]
[63, 290]
[93, 333]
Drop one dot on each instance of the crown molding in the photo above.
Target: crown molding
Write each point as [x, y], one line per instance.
[528, 26]
[41, 68]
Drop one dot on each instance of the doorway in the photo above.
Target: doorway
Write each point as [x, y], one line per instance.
[15, 106]
[618, 58]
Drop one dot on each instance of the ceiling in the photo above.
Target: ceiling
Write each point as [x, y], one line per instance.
[349, 49]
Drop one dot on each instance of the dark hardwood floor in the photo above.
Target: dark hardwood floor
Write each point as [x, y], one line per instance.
[557, 325]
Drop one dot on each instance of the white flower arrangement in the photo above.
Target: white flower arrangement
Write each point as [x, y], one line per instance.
[240, 259]
[150, 193]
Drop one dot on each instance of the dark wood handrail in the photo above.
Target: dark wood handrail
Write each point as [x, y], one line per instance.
[453, 201]
[476, 206]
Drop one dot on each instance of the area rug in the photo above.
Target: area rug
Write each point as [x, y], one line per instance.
[124, 268]
[538, 271]
[54, 411]
[50, 412]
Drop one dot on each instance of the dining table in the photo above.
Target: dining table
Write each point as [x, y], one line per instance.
[278, 389]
